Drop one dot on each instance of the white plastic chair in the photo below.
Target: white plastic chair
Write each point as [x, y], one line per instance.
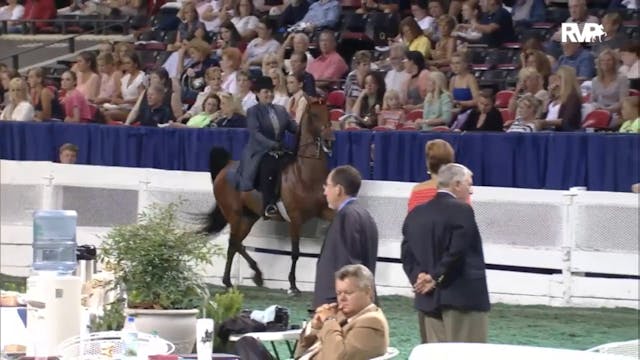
[391, 353]
[625, 348]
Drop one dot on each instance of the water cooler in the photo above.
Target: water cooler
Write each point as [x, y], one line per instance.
[54, 311]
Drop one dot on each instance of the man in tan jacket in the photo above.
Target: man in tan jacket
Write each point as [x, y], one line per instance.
[353, 328]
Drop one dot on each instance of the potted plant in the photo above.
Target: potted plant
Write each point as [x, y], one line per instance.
[156, 262]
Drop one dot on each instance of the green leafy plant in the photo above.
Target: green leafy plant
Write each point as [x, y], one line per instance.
[157, 259]
[224, 305]
[112, 317]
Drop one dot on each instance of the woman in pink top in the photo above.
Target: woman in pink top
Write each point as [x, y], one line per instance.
[75, 104]
[438, 153]
[87, 72]
[109, 78]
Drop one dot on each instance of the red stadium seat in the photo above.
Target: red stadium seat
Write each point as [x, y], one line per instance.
[503, 97]
[634, 92]
[414, 115]
[336, 99]
[335, 114]
[598, 119]
[507, 116]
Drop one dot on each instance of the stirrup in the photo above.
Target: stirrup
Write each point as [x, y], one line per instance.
[270, 210]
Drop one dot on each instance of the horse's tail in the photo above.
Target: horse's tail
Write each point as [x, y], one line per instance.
[218, 160]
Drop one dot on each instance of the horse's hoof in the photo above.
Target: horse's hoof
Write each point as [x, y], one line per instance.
[293, 292]
[257, 279]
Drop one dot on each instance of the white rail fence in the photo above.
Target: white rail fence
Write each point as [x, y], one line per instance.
[542, 247]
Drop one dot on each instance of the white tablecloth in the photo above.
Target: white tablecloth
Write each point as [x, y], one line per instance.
[12, 329]
[451, 351]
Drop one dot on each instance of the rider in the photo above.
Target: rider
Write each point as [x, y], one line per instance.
[261, 157]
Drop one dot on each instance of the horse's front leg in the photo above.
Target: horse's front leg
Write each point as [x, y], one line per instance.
[294, 232]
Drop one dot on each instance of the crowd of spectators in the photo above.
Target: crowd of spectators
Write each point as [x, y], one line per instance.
[448, 65]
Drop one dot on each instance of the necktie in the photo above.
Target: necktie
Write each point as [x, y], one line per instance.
[292, 107]
[274, 122]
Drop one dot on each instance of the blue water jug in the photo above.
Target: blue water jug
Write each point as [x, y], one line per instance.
[54, 240]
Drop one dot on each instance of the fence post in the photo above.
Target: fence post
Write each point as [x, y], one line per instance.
[568, 244]
[15, 61]
[72, 44]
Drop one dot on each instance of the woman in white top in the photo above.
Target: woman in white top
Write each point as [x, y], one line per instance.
[19, 107]
[280, 95]
[230, 63]
[262, 45]
[630, 56]
[244, 20]
[298, 101]
[245, 95]
[131, 86]
[12, 11]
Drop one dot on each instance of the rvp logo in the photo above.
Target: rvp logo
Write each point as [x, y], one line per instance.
[591, 32]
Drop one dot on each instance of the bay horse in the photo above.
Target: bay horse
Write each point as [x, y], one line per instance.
[301, 184]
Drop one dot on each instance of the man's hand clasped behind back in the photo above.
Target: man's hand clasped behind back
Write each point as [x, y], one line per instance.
[424, 283]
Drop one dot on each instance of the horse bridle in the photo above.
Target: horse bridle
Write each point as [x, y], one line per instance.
[317, 141]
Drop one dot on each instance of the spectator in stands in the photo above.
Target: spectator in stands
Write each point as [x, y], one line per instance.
[463, 31]
[300, 44]
[539, 61]
[564, 111]
[12, 11]
[630, 56]
[228, 37]
[528, 110]
[170, 96]
[463, 85]
[121, 49]
[298, 63]
[131, 86]
[231, 113]
[420, 12]
[38, 10]
[615, 38]
[369, 102]
[43, 98]
[230, 63]
[213, 13]
[413, 37]
[608, 88]
[213, 76]
[270, 7]
[110, 78]
[447, 45]
[416, 89]
[270, 61]
[437, 103]
[244, 19]
[436, 9]
[68, 153]
[392, 115]
[437, 153]
[526, 12]
[294, 12]
[352, 328]
[210, 109]
[86, 69]
[495, 24]
[192, 77]
[386, 6]
[246, 97]
[577, 57]
[153, 111]
[396, 78]
[6, 75]
[329, 66]
[75, 104]
[190, 28]
[630, 118]
[280, 94]
[485, 117]
[262, 45]
[18, 108]
[355, 79]
[297, 104]
[579, 14]
[322, 14]
[530, 82]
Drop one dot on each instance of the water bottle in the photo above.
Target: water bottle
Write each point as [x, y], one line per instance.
[129, 336]
[54, 241]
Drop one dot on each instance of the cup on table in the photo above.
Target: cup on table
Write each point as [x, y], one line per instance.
[204, 338]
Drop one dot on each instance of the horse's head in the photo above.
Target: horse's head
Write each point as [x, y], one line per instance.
[316, 125]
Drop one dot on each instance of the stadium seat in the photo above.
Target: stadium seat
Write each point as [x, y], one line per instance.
[503, 97]
[506, 114]
[336, 99]
[335, 114]
[634, 92]
[597, 119]
[414, 115]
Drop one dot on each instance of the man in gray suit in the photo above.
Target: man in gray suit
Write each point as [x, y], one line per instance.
[262, 156]
[352, 237]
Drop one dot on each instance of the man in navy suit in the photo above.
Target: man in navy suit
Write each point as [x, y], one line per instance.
[262, 155]
[352, 237]
[443, 259]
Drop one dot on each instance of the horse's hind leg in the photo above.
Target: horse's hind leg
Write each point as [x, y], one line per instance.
[294, 233]
[237, 237]
[231, 252]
